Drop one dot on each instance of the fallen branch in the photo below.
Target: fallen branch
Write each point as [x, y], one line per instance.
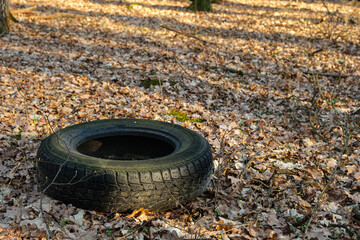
[56, 15]
[227, 69]
[338, 75]
[183, 68]
[23, 10]
[37, 14]
[321, 49]
[187, 35]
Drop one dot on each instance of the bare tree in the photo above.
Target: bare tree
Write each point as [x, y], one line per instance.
[4, 15]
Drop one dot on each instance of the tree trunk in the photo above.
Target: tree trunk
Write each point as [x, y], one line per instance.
[200, 5]
[4, 16]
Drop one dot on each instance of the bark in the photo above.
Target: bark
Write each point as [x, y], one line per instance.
[4, 16]
[201, 5]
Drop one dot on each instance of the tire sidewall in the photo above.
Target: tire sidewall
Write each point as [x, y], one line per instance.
[63, 143]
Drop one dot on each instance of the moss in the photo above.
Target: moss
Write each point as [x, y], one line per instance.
[182, 117]
[134, 5]
[151, 82]
[174, 82]
[196, 120]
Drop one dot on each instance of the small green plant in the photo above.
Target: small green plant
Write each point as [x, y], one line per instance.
[261, 170]
[334, 235]
[108, 232]
[18, 136]
[151, 82]
[174, 82]
[36, 119]
[291, 228]
[303, 227]
[216, 212]
[63, 223]
[182, 117]
[132, 6]
[9, 141]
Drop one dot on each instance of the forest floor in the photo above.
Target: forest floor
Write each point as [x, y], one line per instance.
[274, 86]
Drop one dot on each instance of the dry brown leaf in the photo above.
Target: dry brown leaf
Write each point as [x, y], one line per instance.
[141, 215]
[315, 173]
[357, 176]
[273, 219]
[253, 230]
[222, 226]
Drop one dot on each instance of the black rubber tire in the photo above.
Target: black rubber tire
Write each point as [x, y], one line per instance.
[70, 174]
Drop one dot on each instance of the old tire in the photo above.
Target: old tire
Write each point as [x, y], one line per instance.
[124, 164]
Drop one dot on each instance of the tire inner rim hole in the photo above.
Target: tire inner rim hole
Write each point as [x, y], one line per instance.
[127, 147]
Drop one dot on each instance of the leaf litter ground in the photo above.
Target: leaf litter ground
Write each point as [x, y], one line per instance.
[274, 86]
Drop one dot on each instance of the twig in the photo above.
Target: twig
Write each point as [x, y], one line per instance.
[8, 185]
[48, 231]
[82, 179]
[55, 15]
[247, 165]
[59, 225]
[187, 35]
[49, 234]
[332, 40]
[227, 69]
[347, 228]
[183, 68]
[136, 230]
[220, 165]
[322, 49]
[23, 10]
[314, 209]
[327, 9]
[313, 128]
[338, 75]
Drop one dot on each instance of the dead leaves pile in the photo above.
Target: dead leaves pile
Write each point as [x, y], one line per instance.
[273, 85]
